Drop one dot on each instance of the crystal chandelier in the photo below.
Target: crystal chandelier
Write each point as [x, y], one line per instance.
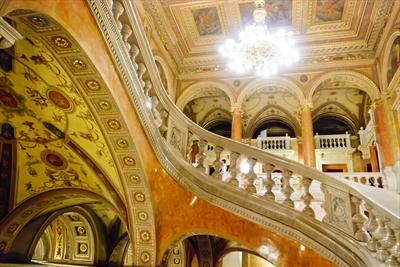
[259, 50]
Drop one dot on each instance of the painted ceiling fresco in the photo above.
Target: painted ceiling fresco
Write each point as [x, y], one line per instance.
[279, 13]
[44, 113]
[327, 31]
[207, 21]
[329, 10]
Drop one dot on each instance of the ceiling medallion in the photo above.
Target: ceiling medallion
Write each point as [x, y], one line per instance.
[60, 100]
[258, 50]
[54, 159]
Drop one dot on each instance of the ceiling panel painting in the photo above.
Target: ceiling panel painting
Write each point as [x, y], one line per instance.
[279, 13]
[207, 21]
[329, 10]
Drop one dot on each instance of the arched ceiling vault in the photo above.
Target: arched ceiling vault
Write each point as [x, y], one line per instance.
[58, 142]
[63, 126]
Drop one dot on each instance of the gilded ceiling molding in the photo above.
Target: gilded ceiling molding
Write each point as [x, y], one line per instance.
[142, 222]
[271, 82]
[360, 81]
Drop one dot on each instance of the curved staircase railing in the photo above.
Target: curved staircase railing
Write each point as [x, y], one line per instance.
[361, 224]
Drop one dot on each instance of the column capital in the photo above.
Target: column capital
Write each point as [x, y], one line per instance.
[376, 103]
[306, 105]
[237, 109]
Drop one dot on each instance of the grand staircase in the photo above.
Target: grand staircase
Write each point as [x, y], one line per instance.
[351, 224]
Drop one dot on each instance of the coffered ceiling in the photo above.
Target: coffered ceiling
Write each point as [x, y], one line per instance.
[328, 32]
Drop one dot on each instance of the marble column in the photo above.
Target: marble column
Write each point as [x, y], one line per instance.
[307, 135]
[383, 134]
[236, 133]
[373, 159]
[387, 143]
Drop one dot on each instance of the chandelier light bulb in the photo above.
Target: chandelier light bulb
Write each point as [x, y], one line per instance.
[258, 49]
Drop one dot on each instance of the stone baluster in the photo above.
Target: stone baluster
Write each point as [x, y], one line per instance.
[251, 176]
[395, 251]
[217, 163]
[126, 32]
[307, 197]
[378, 234]
[233, 169]
[376, 182]
[269, 182]
[202, 155]
[386, 241]
[148, 86]
[133, 53]
[141, 70]
[287, 190]
[359, 220]
[118, 10]
[164, 124]
[371, 223]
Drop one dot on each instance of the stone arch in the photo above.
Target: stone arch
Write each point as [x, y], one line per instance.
[386, 57]
[364, 83]
[259, 120]
[89, 225]
[348, 119]
[194, 91]
[206, 123]
[278, 82]
[34, 212]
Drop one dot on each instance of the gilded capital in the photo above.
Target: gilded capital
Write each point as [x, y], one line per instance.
[376, 103]
[236, 109]
[306, 105]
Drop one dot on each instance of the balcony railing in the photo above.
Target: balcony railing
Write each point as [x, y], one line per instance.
[345, 234]
[273, 143]
[332, 141]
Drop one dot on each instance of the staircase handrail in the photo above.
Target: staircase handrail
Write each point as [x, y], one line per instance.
[170, 132]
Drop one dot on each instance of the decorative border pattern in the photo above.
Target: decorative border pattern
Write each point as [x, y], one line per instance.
[138, 193]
